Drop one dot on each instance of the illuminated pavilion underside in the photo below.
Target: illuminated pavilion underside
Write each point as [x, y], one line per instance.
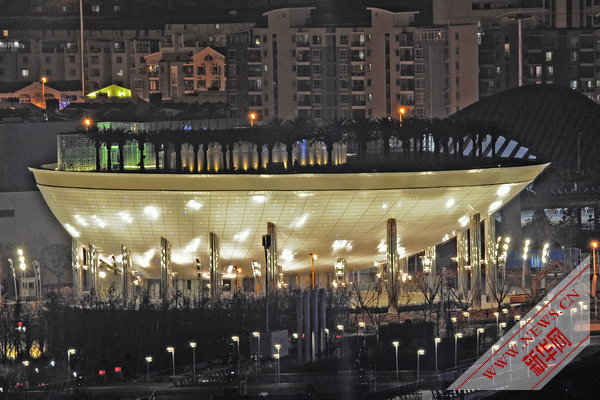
[332, 215]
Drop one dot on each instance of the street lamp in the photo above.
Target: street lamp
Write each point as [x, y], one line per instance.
[456, 337]
[313, 257]
[12, 267]
[171, 350]
[594, 289]
[70, 352]
[436, 341]
[87, 122]
[252, 117]
[278, 348]
[479, 331]
[468, 317]
[193, 346]
[236, 339]
[396, 344]
[420, 352]
[148, 361]
[497, 315]
[44, 80]
[502, 325]
[401, 112]
[257, 336]
[276, 357]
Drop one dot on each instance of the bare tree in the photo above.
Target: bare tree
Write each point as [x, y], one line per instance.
[429, 290]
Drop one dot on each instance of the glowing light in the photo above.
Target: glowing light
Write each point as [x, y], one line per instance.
[300, 221]
[194, 205]
[126, 217]
[503, 190]
[304, 194]
[20, 252]
[80, 220]
[144, 259]
[494, 206]
[152, 212]
[450, 203]
[259, 198]
[102, 274]
[240, 237]
[342, 245]
[382, 247]
[287, 255]
[99, 221]
[72, 231]
[464, 220]
[384, 206]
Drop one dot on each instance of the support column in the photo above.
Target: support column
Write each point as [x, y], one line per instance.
[76, 268]
[165, 269]
[126, 273]
[300, 328]
[431, 255]
[491, 254]
[462, 261]
[322, 320]
[213, 261]
[314, 312]
[92, 263]
[392, 262]
[272, 260]
[475, 250]
[307, 321]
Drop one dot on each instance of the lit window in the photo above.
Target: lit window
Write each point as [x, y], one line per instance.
[24, 72]
[95, 8]
[548, 56]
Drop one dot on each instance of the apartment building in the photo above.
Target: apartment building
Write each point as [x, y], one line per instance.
[315, 70]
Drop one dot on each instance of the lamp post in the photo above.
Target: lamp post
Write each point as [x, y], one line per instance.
[456, 337]
[12, 267]
[236, 339]
[252, 117]
[396, 344]
[70, 352]
[502, 325]
[467, 315]
[420, 352]
[479, 331]
[362, 325]
[257, 336]
[148, 361]
[401, 112]
[497, 315]
[436, 341]
[171, 350]
[313, 257]
[87, 122]
[278, 356]
[594, 288]
[44, 80]
[193, 346]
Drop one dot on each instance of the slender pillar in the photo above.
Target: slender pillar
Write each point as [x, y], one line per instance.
[213, 260]
[314, 312]
[92, 263]
[307, 330]
[272, 261]
[392, 262]
[165, 269]
[76, 268]
[475, 250]
[491, 254]
[431, 255]
[462, 261]
[322, 320]
[300, 328]
[125, 273]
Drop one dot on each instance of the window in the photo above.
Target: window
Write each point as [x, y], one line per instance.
[548, 56]
[138, 84]
[573, 85]
[94, 59]
[344, 39]
[201, 84]
[418, 68]
[94, 72]
[119, 60]
[95, 8]
[201, 70]
[316, 40]
[317, 99]
[24, 72]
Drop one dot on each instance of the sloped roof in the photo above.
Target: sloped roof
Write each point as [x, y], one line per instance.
[548, 119]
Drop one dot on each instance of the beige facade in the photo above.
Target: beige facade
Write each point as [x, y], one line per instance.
[37, 93]
[317, 72]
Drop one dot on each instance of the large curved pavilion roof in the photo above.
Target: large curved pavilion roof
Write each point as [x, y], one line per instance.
[332, 215]
[547, 119]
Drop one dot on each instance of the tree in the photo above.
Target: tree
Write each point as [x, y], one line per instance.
[158, 138]
[429, 290]
[97, 137]
[363, 132]
[177, 138]
[142, 137]
[387, 128]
